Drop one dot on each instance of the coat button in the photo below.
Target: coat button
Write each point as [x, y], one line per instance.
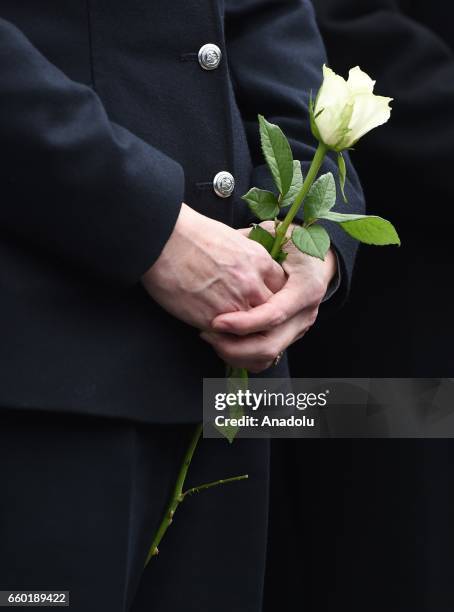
[210, 56]
[223, 184]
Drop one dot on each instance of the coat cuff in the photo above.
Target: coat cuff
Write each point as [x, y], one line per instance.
[148, 192]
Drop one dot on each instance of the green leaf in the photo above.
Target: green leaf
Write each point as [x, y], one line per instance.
[230, 431]
[295, 187]
[237, 378]
[365, 228]
[266, 239]
[278, 154]
[263, 237]
[331, 215]
[321, 198]
[342, 175]
[263, 204]
[313, 240]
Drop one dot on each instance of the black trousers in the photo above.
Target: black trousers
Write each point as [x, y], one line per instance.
[81, 498]
[372, 528]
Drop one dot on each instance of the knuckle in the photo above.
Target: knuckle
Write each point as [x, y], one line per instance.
[268, 226]
[252, 281]
[269, 353]
[318, 291]
[277, 317]
[228, 353]
[264, 260]
[256, 296]
[238, 274]
[274, 270]
[312, 317]
[260, 255]
[256, 249]
[223, 351]
[301, 334]
[244, 280]
[220, 353]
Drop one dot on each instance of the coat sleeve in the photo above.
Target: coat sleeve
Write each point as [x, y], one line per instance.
[275, 58]
[74, 184]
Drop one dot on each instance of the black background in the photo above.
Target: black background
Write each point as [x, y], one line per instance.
[368, 524]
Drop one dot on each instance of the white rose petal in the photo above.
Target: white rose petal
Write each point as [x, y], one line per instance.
[331, 100]
[369, 112]
[359, 82]
[347, 110]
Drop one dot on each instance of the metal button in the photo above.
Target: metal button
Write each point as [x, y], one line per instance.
[223, 184]
[210, 56]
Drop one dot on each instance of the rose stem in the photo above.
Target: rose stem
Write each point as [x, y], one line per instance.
[315, 166]
[178, 495]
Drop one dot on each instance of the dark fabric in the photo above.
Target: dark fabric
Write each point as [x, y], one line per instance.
[87, 205]
[398, 321]
[435, 16]
[371, 526]
[82, 497]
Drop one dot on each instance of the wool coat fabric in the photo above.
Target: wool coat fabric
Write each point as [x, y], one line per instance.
[108, 123]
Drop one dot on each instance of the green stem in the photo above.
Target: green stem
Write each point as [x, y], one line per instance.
[281, 232]
[237, 373]
[216, 483]
[178, 495]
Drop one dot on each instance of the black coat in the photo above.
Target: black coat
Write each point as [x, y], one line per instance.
[108, 123]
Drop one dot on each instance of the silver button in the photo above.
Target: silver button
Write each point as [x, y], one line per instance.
[210, 56]
[223, 184]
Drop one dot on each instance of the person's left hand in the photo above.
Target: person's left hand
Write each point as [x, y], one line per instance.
[253, 339]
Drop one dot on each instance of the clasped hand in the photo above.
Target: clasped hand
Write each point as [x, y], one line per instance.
[248, 307]
[253, 338]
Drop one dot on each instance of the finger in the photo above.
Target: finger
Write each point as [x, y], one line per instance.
[274, 277]
[260, 349]
[233, 356]
[244, 230]
[280, 307]
[273, 274]
[259, 295]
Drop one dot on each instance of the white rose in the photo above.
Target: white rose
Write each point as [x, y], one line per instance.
[348, 109]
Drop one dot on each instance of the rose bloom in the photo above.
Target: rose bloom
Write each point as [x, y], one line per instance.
[346, 110]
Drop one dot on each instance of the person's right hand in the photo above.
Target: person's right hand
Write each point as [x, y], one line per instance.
[207, 268]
